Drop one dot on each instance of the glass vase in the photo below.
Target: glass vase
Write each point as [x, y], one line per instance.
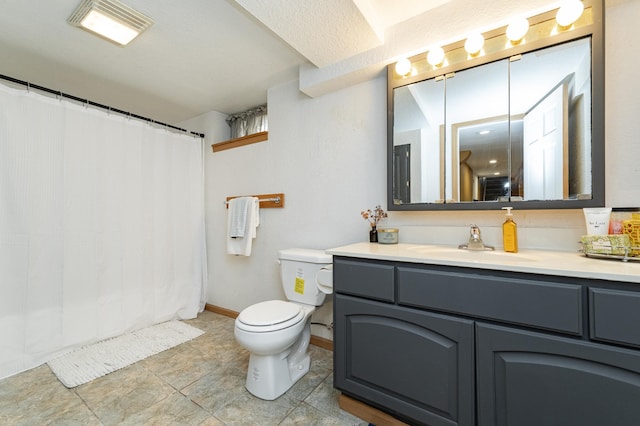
[373, 234]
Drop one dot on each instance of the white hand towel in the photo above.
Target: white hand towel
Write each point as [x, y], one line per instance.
[255, 220]
[237, 215]
[236, 244]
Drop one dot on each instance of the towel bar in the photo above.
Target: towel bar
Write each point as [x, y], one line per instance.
[263, 200]
[266, 200]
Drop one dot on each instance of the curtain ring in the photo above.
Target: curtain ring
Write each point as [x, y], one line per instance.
[28, 87]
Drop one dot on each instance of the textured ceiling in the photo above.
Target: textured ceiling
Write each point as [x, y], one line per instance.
[223, 55]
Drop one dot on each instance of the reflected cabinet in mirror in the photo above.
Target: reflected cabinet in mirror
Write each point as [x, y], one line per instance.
[518, 124]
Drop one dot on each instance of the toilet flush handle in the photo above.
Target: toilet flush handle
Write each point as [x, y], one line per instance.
[324, 279]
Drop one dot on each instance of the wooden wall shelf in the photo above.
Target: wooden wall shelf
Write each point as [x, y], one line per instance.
[238, 142]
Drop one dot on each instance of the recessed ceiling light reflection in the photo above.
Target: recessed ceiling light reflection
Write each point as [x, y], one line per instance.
[493, 161]
[484, 132]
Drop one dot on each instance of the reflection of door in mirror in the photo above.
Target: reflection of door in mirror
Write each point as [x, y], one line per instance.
[402, 173]
[546, 147]
[559, 167]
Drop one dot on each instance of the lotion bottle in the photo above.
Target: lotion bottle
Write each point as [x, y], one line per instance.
[509, 233]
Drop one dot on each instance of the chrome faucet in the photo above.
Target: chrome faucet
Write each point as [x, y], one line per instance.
[475, 241]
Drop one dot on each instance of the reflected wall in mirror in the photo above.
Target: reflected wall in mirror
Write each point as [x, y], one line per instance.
[523, 130]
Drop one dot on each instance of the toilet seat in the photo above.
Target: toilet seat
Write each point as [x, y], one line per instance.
[269, 316]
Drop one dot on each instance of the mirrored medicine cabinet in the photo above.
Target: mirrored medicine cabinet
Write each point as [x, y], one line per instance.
[520, 124]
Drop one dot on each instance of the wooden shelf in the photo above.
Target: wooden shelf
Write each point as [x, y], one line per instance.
[238, 142]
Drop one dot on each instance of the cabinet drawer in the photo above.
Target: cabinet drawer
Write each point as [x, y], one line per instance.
[372, 280]
[615, 316]
[547, 305]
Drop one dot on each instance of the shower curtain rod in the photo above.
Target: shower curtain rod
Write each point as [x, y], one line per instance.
[95, 104]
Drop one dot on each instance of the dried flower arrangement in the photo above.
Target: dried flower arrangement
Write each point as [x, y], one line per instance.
[374, 216]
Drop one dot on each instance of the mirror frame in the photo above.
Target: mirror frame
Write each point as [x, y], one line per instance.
[596, 30]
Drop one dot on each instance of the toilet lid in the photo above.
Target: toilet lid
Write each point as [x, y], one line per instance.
[270, 313]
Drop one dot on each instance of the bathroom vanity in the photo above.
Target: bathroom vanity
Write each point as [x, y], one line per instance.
[438, 336]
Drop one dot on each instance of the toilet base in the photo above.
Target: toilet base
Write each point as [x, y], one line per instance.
[270, 376]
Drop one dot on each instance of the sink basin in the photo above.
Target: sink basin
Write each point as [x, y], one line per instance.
[455, 253]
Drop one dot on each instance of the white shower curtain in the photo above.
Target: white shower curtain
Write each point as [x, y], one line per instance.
[101, 226]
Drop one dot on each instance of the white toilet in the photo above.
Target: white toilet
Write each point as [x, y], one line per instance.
[277, 333]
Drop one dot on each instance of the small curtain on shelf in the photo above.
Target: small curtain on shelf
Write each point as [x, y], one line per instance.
[248, 122]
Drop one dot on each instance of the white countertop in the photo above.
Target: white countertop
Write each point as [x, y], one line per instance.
[557, 263]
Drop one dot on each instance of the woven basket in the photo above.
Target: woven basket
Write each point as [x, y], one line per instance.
[632, 229]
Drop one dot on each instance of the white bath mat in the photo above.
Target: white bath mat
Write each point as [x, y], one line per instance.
[98, 359]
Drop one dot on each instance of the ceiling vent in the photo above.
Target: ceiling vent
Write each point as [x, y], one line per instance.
[110, 19]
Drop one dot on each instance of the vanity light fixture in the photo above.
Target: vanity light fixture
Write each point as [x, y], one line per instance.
[567, 16]
[435, 56]
[473, 44]
[517, 29]
[569, 12]
[403, 66]
[110, 19]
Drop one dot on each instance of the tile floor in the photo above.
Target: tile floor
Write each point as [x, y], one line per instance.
[200, 382]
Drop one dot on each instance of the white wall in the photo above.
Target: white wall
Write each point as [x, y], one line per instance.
[622, 107]
[328, 156]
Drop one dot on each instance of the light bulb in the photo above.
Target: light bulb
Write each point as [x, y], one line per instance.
[474, 43]
[569, 12]
[517, 29]
[435, 56]
[403, 66]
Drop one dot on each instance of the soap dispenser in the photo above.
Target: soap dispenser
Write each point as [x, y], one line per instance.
[509, 233]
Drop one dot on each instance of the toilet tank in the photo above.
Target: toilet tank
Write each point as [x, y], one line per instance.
[298, 272]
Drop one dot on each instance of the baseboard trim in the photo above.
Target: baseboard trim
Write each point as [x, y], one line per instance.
[367, 413]
[315, 340]
[220, 310]
[322, 342]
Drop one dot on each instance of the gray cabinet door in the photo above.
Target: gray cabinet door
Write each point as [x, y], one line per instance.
[415, 363]
[531, 379]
